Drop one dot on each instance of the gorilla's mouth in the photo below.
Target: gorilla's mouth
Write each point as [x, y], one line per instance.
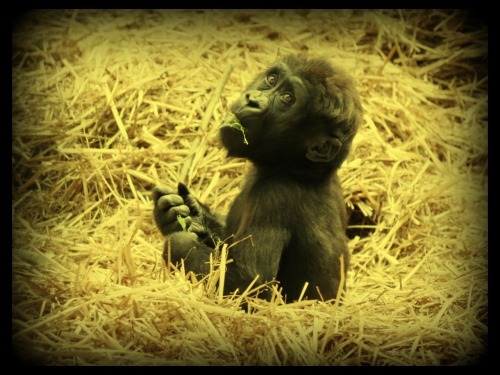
[233, 122]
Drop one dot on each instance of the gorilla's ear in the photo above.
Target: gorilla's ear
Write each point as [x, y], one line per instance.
[324, 150]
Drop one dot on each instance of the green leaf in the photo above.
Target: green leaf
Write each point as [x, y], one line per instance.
[233, 123]
[182, 222]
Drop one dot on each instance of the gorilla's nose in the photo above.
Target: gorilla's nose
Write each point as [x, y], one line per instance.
[256, 99]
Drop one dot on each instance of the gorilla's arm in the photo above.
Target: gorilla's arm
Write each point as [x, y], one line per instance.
[268, 243]
[258, 254]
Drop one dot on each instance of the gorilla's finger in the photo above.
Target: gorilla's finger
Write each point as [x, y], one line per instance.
[176, 226]
[168, 222]
[173, 212]
[197, 228]
[182, 189]
[161, 190]
[167, 201]
[189, 199]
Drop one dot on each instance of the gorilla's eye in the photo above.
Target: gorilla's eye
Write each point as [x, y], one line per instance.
[272, 79]
[287, 98]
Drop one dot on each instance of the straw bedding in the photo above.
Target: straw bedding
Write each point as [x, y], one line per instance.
[106, 104]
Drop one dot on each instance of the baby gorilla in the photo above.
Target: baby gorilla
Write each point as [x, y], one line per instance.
[295, 123]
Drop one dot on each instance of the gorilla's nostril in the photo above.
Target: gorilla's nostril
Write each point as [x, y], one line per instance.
[253, 104]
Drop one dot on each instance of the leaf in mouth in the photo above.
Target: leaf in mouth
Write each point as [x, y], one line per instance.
[233, 123]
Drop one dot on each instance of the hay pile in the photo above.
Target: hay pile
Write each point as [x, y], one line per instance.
[107, 104]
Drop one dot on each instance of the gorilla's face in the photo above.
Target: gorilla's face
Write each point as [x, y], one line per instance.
[266, 112]
[289, 115]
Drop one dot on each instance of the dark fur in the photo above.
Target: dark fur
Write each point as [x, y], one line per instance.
[292, 203]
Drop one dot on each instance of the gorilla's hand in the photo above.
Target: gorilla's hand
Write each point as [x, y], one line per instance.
[170, 205]
[197, 211]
